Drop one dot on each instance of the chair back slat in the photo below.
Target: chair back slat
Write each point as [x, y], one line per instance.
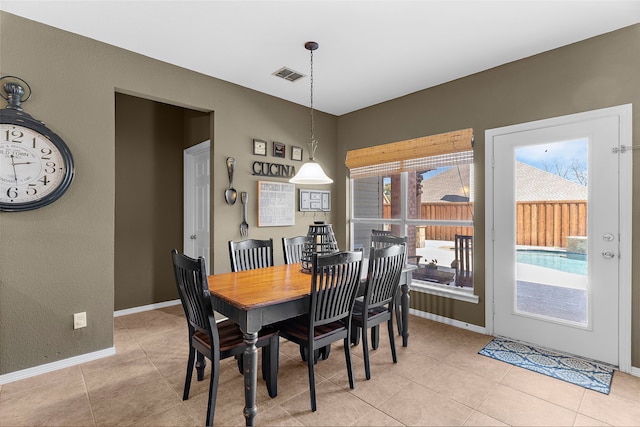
[383, 278]
[383, 241]
[250, 254]
[193, 289]
[292, 249]
[334, 285]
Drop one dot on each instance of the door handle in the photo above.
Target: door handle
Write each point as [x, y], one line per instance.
[193, 237]
[608, 254]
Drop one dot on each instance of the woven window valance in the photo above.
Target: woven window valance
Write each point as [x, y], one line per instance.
[425, 153]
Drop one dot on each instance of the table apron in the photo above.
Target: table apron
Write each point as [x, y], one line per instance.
[253, 320]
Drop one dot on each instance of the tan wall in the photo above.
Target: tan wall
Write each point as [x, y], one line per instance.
[60, 259]
[596, 73]
[149, 180]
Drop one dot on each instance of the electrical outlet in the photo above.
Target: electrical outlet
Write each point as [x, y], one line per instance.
[80, 320]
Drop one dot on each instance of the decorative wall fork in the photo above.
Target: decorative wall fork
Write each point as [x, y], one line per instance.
[244, 226]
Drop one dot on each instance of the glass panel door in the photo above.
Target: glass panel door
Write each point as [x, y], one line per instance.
[555, 225]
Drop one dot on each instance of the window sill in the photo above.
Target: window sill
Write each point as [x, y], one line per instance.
[444, 291]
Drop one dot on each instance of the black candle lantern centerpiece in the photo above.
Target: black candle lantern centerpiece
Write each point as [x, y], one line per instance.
[320, 240]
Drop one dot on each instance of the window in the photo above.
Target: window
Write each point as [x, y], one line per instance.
[427, 195]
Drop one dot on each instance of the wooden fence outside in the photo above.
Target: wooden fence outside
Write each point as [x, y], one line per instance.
[538, 223]
[549, 223]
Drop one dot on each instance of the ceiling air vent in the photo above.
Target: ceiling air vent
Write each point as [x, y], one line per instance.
[288, 74]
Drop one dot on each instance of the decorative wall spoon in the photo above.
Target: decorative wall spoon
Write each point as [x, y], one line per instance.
[230, 194]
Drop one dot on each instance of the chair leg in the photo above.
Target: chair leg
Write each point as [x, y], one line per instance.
[187, 380]
[312, 379]
[398, 313]
[347, 356]
[355, 335]
[240, 363]
[213, 391]
[200, 365]
[325, 351]
[375, 337]
[365, 351]
[270, 361]
[391, 340]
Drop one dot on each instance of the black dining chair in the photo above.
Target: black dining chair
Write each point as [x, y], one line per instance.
[292, 249]
[334, 284]
[250, 254]
[377, 306]
[215, 341]
[382, 241]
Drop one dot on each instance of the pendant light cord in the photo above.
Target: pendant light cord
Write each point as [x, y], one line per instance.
[313, 144]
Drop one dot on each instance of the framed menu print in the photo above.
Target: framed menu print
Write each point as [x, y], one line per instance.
[276, 204]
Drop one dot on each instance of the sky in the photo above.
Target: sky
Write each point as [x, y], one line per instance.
[564, 152]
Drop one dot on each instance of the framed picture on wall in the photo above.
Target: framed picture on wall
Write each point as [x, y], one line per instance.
[259, 147]
[296, 153]
[278, 149]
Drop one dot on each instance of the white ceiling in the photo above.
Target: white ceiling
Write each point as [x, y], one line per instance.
[370, 51]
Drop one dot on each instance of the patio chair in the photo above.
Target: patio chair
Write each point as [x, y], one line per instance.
[463, 262]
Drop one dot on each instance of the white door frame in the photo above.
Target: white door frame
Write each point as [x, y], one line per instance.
[188, 160]
[625, 209]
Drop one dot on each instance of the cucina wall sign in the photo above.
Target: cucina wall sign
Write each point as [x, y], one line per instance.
[276, 170]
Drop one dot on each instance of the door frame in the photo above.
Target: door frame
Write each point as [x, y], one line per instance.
[624, 114]
[188, 193]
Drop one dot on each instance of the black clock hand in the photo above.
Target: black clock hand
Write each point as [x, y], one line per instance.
[23, 163]
[13, 165]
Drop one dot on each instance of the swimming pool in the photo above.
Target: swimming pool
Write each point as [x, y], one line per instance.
[553, 259]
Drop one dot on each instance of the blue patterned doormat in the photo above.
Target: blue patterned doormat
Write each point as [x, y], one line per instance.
[584, 373]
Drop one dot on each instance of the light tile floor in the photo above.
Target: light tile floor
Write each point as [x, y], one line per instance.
[438, 380]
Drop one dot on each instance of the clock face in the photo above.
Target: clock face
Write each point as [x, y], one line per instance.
[36, 166]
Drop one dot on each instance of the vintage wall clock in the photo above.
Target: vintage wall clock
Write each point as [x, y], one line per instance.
[36, 166]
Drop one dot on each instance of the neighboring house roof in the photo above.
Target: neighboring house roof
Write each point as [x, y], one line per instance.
[533, 184]
[536, 184]
[452, 185]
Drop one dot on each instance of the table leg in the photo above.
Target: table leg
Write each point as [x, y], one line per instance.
[250, 365]
[404, 302]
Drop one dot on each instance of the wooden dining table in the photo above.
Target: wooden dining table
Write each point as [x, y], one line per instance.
[260, 297]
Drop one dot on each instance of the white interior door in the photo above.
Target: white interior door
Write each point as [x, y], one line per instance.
[196, 201]
[554, 259]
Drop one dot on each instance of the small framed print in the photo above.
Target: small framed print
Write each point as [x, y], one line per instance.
[315, 200]
[278, 149]
[296, 153]
[259, 147]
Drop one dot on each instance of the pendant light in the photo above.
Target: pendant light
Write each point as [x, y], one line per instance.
[311, 172]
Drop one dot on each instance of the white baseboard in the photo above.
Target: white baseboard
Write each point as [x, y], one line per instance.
[635, 371]
[54, 366]
[448, 321]
[142, 308]
[82, 358]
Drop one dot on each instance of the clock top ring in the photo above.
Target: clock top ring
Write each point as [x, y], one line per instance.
[15, 91]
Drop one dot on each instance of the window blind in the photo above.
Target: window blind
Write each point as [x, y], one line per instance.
[420, 154]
